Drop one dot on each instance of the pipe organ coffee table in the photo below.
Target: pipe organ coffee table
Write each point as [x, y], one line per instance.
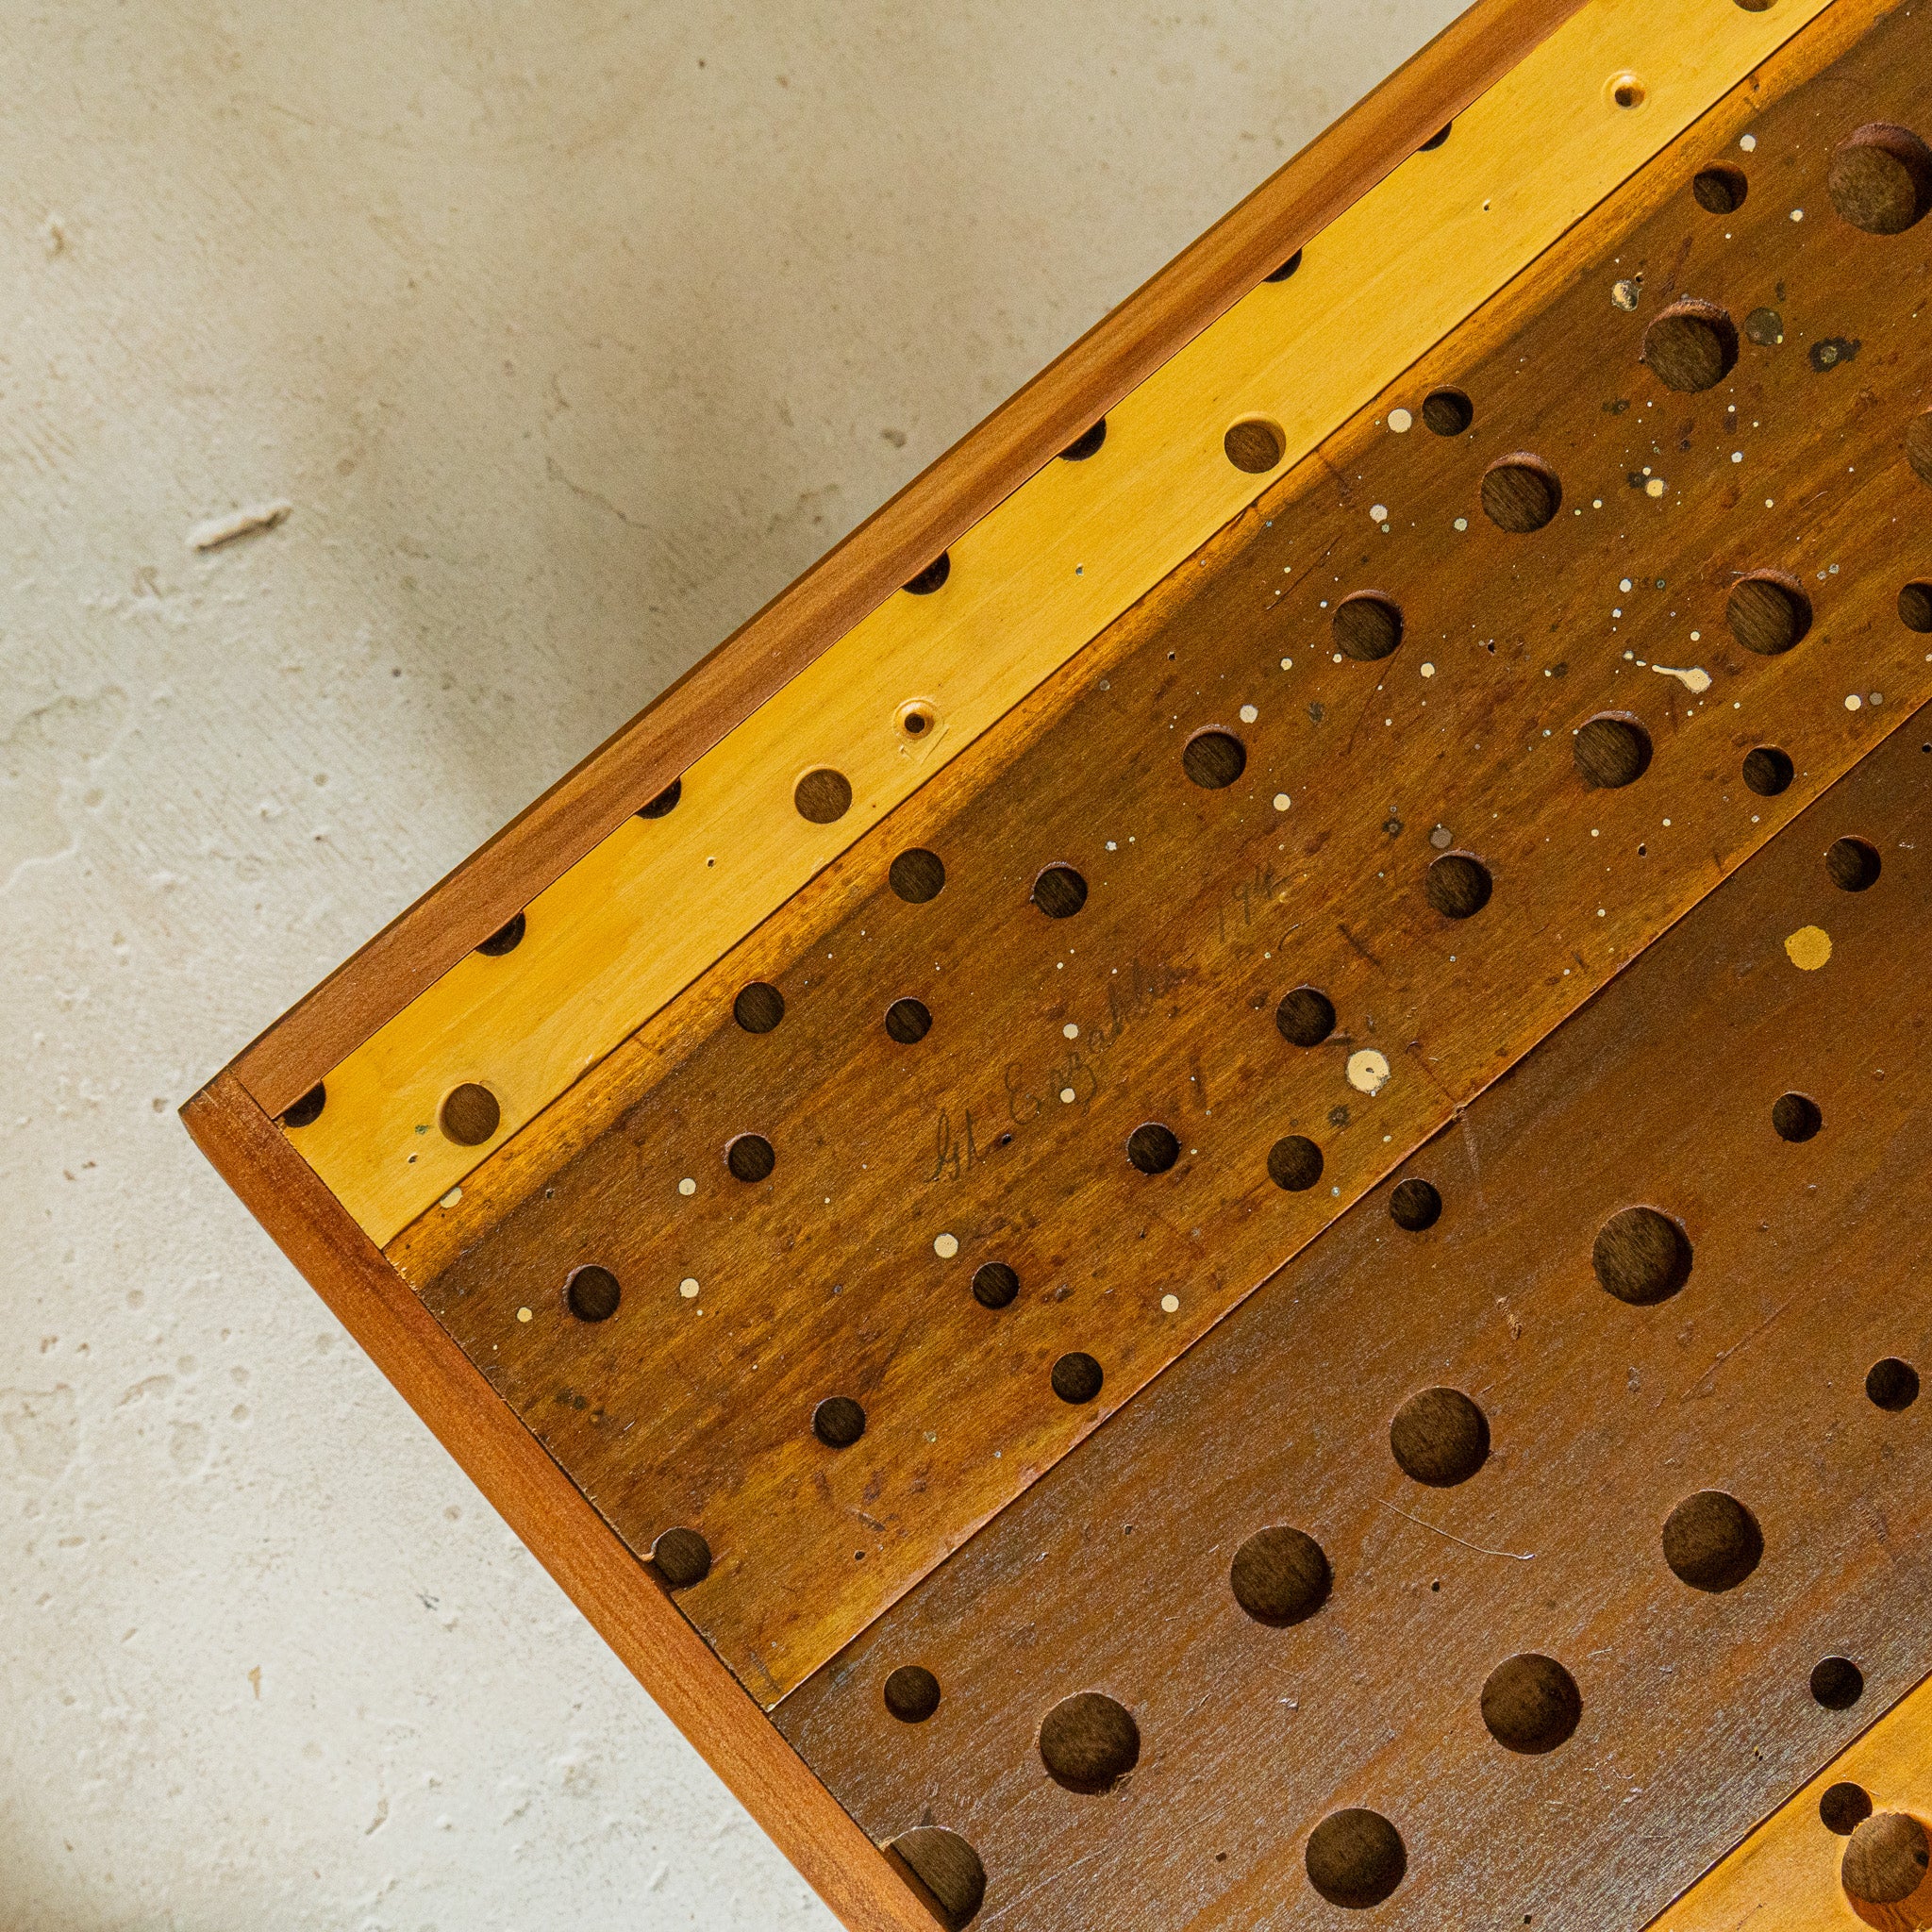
[1199, 1199]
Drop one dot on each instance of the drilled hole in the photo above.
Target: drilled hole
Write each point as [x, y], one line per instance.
[1414, 1206]
[1627, 91]
[1294, 1162]
[1255, 446]
[1767, 612]
[470, 1115]
[1368, 627]
[1720, 190]
[908, 1021]
[944, 1871]
[665, 802]
[1711, 1541]
[1531, 1703]
[1280, 1576]
[1886, 1860]
[1077, 1378]
[1521, 493]
[307, 1110]
[1795, 1117]
[917, 876]
[916, 719]
[1214, 759]
[1153, 1149]
[1851, 864]
[592, 1294]
[995, 1286]
[1440, 1437]
[1611, 751]
[1305, 1017]
[1892, 1384]
[1844, 1807]
[1915, 607]
[1287, 268]
[1447, 411]
[1768, 770]
[932, 576]
[681, 1557]
[758, 1007]
[750, 1157]
[912, 1694]
[1089, 1742]
[1640, 1257]
[1691, 345]
[1059, 892]
[837, 1421]
[822, 795]
[1458, 885]
[1436, 139]
[1086, 444]
[1356, 1859]
[505, 938]
[1880, 178]
[1837, 1682]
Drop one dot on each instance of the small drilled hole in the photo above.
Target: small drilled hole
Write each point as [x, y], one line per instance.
[822, 795]
[1305, 1017]
[1457, 884]
[1640, 1257]
[945, 1870]
[1255, 446]
[995, 1285]
[1768, 770]
[681, 1557]
[1795, 1117]
[908, 1021]
[1077, 1378]
[915, 721]
[1521, 493]
[1852, 865]
[592, 1294]
[1447, 411]
[1294, 1162]
[1356, 1859]
[1844, 1807]
[1611, 751]
[1089, 1742]
[1880, 180]
[1414, 1206]
[1627, 91]
[912, 1694]
[1691, 345]
[1837, 1682]
[837, 1421]
[307, 1110]
[1440, 1437]
[1153, 1149]
[470, 1115]
[665, 802]
[1531, 1703]
[1086, 444]
[1059, 892]
[1711, 1541]
[932, 576]
[750, 1157]
[1892, 1384]
[758, 1007]
[1436, 139]
[917, 876]
[1214, 759]
[505, 938]
[1915, 607]
[1720, 190]
[1280, 1576]
[1367, 627]
[1767, 612]
[1287, 268]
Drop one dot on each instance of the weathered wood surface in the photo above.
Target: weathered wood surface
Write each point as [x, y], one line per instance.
[1207, 907]
[1810, 1262]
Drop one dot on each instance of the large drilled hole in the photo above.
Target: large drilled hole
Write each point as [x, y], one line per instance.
[1880, 178]
[1367, 627]
[1611, 751]
[822, 795]
[1531, 1703]
[1077, 1378]
[470, 1115]
[1711, 1541]
[1294, 1162]
[665, 802]
[1795, 1117]
[1415, 1205]
[750, 1157]
[1447, 411]
[1768, 612]
[592, 1294]
[1356, 1859]
[908, 1021]
[1641, 1255]
[1214, 759]
[1089, 1742]
[307, 1110]
[1255, 446]
[946, 1872]
[1837, 1683]
[1440, 1437]
[917, 876]
[1306, 1017]
[1768, 770]
[837, 1421]
[1886, 1860]
[932, 576]
[1287, 269]
[1844, 1807]
[1059, 892]
[912, 1694]
[1851, 864]
[1457, 884]
[1280, 1576]
[681, 1557]
[995, 1285]
[1521, 493]
[1086, 444]
[505, 938]
[1691, 345]
[1892, 1384]
[758, 1007]
[1153, 1149]
[1720, 190]
[1915, 607]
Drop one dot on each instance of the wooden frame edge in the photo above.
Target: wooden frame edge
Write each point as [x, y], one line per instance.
[1026, 432]
[629, 1610]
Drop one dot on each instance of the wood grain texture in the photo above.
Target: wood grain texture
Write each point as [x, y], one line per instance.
[1112, 1574]
[1005, 1132]
[636, 919]
[629, 1609]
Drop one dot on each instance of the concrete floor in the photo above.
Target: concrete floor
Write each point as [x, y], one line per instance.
[570, 334]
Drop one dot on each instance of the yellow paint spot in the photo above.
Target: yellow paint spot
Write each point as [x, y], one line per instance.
[523, 1314]
[1809, 947]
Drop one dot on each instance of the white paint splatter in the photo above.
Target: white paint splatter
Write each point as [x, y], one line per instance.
[945, 1246]
[1367, 1071]
[1401, 422]
[1695, 678]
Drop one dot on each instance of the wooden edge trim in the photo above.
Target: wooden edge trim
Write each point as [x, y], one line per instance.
[991, 461]
[626, 1606]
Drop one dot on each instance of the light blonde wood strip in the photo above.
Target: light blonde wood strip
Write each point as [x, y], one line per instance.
[636, 921]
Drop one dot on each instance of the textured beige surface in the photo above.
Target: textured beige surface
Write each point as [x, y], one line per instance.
[568, 334]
